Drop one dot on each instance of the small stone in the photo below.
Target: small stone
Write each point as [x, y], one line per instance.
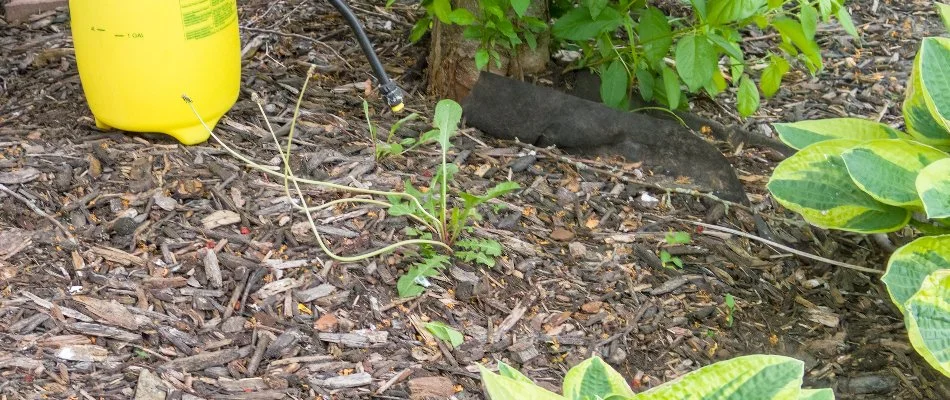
[577, 249]
[233, 324]
[592, 307]
[523, 163]
[561, 234]
[165, 203]
[326, 323]
[124, 226]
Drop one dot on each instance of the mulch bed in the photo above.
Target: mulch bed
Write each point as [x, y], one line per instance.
[132, 266]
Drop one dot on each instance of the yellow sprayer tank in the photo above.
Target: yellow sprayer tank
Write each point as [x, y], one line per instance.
[137, 58]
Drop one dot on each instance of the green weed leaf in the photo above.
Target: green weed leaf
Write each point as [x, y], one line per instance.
[520, 6]
[577, 24]
[722, 12]
[808, 16]
[596, 7]
[482, 251]
[461, 16]
[614, 84]
[792, 32]
[411, 284]
[695, 60]
[772, 75]
[748, 98]
[448, 114]
[420, 29]
[671, 86]
[442, 10]
[481, 58]
[446, 333]
[944, 11]
[677, 237]
[844, 18]
[655, 34]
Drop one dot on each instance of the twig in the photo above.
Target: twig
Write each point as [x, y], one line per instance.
[298, 36]
[783, 247]
[39, 211]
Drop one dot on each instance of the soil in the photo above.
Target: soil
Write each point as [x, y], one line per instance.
[130, 262]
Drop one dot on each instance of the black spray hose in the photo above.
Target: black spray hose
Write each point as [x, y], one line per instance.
[387, 87]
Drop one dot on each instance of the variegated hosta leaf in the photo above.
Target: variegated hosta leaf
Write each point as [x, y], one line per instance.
[759, 377]
[928, 320]
[887, 169]
[507, 371]
[910, 264]
[503, 388]
[800, 134]
[594, 377]
[816, 394]
[815, 183]
[927, 101]
[933, 185]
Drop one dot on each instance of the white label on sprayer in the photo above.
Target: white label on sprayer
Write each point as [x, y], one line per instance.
[203, 18]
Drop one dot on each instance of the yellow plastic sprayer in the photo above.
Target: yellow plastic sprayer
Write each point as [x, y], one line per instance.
[137, 59]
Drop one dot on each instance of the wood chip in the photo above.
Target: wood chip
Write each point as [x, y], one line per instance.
[118, 256]
[20, 362]
[104, 331]
[87, 352]
[205, 360]
[278, 286]
[220, 218]
[242, 385]
[110, 312]
[19, 176]
[212, 269]
[316, 292]
[345, 381]
[149, 387]
[69, 312]
[431, 387]
[360, 339]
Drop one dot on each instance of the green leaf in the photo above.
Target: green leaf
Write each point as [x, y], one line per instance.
[792, 31]
[816, 394]
[934, 189]
[748, 97]
[729, 47]
[614, 84]
[887, 169]
[482, 251]
[808, 16]
[671, 85]
[912, 263]
[595, 7]
[448, 114]
[677, 237]
[520, 6]
[928, 320]
[481, 58]
[645, 83]
[944, 11]
[722, 12]
[503, 388]
[446, 333]
[696, 60]
[824, 7]
[498, 190]
[508, 372]
[578, 24]
[815, 183]
[419, 29]
[461, 16]
[655, 34]
[772, 75]
[747, 377]
[927, 102]
[531, 39]
[442, 10]
[594, 378]
[844, 18]
[700, 7]
[410, 284]
[800, 134]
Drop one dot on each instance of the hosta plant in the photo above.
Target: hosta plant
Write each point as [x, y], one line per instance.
[759, 377]
[863, 176]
